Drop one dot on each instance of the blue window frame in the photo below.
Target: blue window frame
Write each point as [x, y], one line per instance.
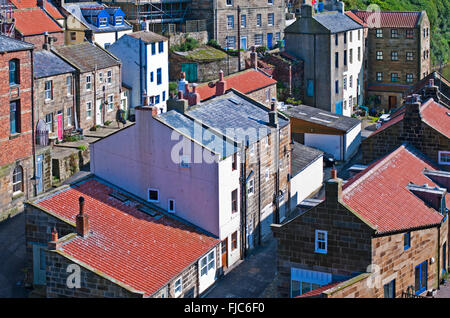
[159, 76]
[164, 96]
[161, 47]
[13, 72]
[420, 275]
[321, 242]
[14, 112]
[336, 87]
[153, 48]
[151, 76]
[444, 257]
[156, 99]
[406, 240]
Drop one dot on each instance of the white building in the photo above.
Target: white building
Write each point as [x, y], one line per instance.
[203, 188]
[145, 61]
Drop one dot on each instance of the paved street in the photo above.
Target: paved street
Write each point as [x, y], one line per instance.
[251, 278]
[12, 257]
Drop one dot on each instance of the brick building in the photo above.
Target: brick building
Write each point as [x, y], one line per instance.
[16, 131]
[426, 125]
[259, 22]
[399, 54]
[382, 233]
[97, 82]
[115, 244]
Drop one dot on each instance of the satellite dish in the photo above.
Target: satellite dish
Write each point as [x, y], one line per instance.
[211, 84]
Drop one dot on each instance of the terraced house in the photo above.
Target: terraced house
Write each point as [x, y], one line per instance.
[16, 131]
[97, 82]
[248, 23]
[399, 54]
[382, 233]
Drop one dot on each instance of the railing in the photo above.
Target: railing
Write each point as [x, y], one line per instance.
[410, 295]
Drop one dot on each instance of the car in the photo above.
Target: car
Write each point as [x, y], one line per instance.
[383, 119]
[328, 160]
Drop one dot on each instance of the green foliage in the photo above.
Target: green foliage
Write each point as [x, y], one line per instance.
[438, 12]
[214, 44]
[108, 122]
[189, 44]
[173, 88]
[82, 147]
[261, 49]
[292, 101]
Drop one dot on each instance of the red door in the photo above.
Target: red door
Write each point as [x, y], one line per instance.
[59, 118]
[225, 253]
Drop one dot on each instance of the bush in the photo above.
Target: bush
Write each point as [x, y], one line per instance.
[261, 49]
[82, 147]
[189, 44]
[293, 101]
[173, 88]
[214, 44]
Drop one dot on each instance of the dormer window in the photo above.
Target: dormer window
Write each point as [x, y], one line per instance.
[119, 20]
[102, 22]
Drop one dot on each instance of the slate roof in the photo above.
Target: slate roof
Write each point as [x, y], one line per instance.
[8, 44]
[246, 82]
[326, 22]
[46, 64]
[34, 21]
[302, 156]
[232, 112]
[379, 194]
[127, 246]
[323, 117]
[393, 19]
[148, 36]
[86, 56]
[197, 132]
[439, 80]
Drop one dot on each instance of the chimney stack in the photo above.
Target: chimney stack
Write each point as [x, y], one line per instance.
[306, 11]
[47, 42]
[341, 7]
[82, 220]
[412, 106]
[194, 97]
[53, 244]
[221, 85]
[178, 104]
[431, 91]
[254, 58]
[182, 82]
[89, 35]
[333, 190]
[273, 118]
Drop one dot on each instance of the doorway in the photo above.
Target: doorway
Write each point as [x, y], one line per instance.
[98, 112]
[39, 169]
[225, 253]
[392, 102]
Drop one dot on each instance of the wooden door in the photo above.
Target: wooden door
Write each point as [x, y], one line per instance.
[225, 253]
[392, 102]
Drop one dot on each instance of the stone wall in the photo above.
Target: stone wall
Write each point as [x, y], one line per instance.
[261, 95]
[68, 163]
[39, 39]
[178, 38]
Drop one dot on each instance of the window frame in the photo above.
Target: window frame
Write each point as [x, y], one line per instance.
[317, 241]
[389, 288]
[406, 241]
[16, 72]
[48, 92]
[234, 201]
[173, 205]
[18, 170]
[396, 77]
[271, 16]
[251, 187]
[443, 152]
[230, 22]
[234, 242]
[159, 76]
[88, 109]
[379, 55]
[88, 84]
[16, 114]
[379, 33]
[178, 286]
[148, 194]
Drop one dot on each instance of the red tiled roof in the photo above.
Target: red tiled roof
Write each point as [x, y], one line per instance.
[49, 7]
[355, 18]
[126, 244]
[246, 82]
[379, 194]
[395, 118]
[436, 116]
[392, 19]
[318, 291]
[34, 21]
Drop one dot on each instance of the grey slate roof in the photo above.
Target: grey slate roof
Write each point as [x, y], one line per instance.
[196, 131]
[148, 36]
[86, 56]
[323, 117]
[302, 157]
[232, 113]
[47, 63]
[323, 23]
[8, 44]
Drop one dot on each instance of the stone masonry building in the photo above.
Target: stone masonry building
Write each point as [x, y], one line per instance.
[97, 82]
[426, 125]
[382, 233]
[92, 239]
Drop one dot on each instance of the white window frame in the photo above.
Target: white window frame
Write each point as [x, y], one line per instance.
[148, 194]
[379, 55]
[259, 20]
[207, 263]
[69, 85]
[110, 102]
[178, 286]
[379, 33]
[88, 83]
[100, 77]
[88, 109]
[230, 22]
[168, 206]
[119, 20]
[102, 22]
[316, 241]
[243, 20]
[69, 117]
[267, 174]
[270, 16]
[440, 153]
[109, 77]
[251, 187]
[48, 91]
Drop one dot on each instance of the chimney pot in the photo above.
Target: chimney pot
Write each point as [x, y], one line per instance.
[333, 173]
[54, 235]
[82, 220]
[81, 205]
[180, 94]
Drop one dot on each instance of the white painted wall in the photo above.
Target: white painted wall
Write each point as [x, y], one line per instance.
[139, 157]
[355, 69]
[159, 60]
[101, 38]
[208, 278]
[352, 141]
[306, 182]
[326, 143]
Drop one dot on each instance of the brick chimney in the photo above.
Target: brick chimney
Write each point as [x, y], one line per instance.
[431, 91]
[82, 220]
[53, 244]
[333, 173]
[254, 58]
[333, 189]
[194, 97]
[306, 11]
[273, 116]
[178, 104]
[186, 92]
[221, 85]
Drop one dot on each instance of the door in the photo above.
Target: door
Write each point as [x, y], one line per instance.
[420, 274]
[444, 257]
[250, 234]
[269, 40]
[244, 43]
[225, 253]
[98, 112]
[339, 108]
[59, 119]
[39, 169]
[392, 102]
[191, 71]
[39, 276]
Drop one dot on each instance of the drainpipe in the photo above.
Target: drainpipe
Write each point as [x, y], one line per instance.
[95, 95]
[277, 180]
[259, 194]
[33, 147]
[239, 36]
[243, 202]
[438, 256]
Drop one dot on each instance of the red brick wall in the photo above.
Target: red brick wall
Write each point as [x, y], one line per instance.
[38, 40]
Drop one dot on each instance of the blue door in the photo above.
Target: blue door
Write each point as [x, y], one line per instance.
[420, 275]
[339, 108]
[39, 168]
[269, 40]
[244, 43]
[39, 267]
[444, 257]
